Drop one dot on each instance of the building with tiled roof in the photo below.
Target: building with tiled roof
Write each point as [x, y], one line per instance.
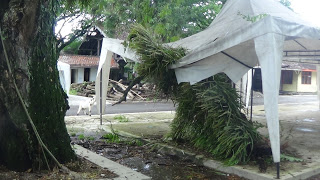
[84, 67]
[77, 61]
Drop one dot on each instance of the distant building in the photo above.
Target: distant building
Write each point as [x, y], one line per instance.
[298, 77]
[295, 78]
[84, 68]
[81, 67]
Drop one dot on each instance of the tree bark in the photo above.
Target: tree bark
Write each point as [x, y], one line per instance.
[27, 28]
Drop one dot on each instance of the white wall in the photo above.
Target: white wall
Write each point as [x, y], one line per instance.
[93, 73]
[80, 75]
[307, 87]
[64, 75]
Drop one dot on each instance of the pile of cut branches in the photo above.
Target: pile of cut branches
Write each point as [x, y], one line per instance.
[208, 113]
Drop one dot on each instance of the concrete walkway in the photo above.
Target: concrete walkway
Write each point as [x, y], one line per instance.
[123, 172]
[300, 132]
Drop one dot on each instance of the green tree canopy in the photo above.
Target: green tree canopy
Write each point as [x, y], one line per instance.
[171, 19]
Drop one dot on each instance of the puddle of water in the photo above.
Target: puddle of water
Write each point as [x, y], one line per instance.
[306, 129]
[170, 169]
[308, 120]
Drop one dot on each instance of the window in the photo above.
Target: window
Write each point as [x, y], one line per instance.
[306, 77]
[286, 77]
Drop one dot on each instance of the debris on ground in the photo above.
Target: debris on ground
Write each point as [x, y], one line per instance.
[139, 92]
[147, 159]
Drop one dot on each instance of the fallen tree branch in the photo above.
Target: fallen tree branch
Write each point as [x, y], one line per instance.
[121, 87]
[124, 97]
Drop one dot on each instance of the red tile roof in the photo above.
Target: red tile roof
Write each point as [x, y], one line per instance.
[83, 61]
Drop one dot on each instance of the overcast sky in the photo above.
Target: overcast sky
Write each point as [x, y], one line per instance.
[308, 9]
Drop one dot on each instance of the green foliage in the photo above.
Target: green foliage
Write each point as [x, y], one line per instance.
[90, 138]
[71, 3]
[171, 19]
[73, 134]
[73, 92]
[135, 142]
[111, 137]
[155, 58]
[114, 138]
[81, 137]
[284, 157]
[121, 118]
[208, 113]
[73, 47]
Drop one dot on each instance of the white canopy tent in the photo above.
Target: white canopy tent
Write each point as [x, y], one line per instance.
[234, 44]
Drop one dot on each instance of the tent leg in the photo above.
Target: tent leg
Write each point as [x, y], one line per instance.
[251, 94]
[318, 83]
[101, 97]
[278, 170]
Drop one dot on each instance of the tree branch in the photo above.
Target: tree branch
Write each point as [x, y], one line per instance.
[125, 93]
[67, 16]
[76, 34]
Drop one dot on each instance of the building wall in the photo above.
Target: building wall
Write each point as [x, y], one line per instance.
[308, 87]
[292, 87]
[93, 73]
[80, 75]
[64, 76]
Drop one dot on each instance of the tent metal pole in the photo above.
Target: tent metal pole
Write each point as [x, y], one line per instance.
[278, 170]
[101, 97]
[251, 93]
[241, 92]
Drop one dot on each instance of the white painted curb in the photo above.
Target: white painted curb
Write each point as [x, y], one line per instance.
[123, 172]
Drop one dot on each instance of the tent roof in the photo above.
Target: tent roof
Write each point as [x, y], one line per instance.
[232, 35]
[246, 33]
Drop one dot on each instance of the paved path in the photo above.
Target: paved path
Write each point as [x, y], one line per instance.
[131, 107]
[126, 107]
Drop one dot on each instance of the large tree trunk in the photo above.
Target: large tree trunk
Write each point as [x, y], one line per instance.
[27, 28]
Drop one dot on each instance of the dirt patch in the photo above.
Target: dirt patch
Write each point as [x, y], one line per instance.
[149, 160]
[83, 169]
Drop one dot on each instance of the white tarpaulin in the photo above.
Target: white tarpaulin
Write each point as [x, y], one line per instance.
[102, 79]
[235, 42]
[109, 46]
[116, 46]
[246, 33]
